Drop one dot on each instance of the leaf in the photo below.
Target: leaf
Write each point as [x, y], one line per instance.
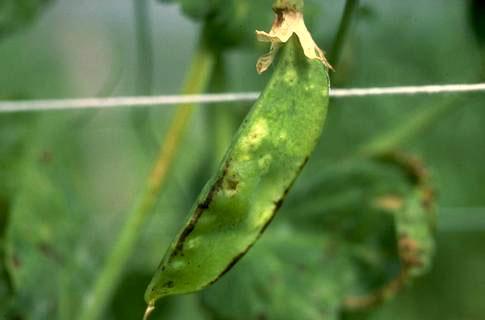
[414, 221]
[13, 135]
[66, 206]
[44, 225]
[6, 286]
[414, 224]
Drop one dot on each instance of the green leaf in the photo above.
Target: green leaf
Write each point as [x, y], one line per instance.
[6, 286]
[65, 211]
[414, 224]
[13, 135]
[44, 225]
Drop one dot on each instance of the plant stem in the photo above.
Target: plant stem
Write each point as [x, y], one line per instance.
[222, 115]
[143, 32]
[111, 273]
[416, 123]
[411, 127]
[144, 73]
[342, 33]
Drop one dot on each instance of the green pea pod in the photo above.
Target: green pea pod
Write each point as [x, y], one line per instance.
[267, 154]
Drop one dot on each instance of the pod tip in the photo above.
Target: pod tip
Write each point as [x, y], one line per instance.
[149, 310]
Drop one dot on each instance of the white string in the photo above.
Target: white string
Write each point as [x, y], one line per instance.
[411, 90]
[119, 102]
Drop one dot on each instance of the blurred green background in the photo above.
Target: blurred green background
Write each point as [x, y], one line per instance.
[69, 179]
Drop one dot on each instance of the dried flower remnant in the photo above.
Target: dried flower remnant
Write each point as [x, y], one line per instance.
[287, 23]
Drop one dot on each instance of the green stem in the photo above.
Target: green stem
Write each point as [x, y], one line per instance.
[343, 31]
[416, 123]
[410, 128]
[221, 115]
[144, 71]
[111, 273]
[145, 47]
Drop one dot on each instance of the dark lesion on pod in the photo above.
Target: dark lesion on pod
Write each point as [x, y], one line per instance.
[169, 284]
[199, 211]
[231, 264]
[277, 205]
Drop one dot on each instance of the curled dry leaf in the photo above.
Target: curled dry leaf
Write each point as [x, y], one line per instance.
[287, 23]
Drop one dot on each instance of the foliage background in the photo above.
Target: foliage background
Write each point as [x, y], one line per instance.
[69, 178]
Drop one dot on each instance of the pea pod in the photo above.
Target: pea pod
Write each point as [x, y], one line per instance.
[266, 156]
